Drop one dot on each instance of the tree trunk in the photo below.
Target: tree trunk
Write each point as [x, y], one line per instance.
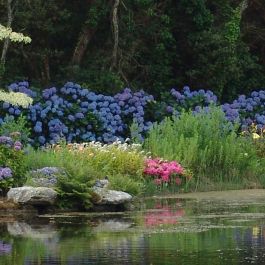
[82, 44]
[9, 24]
[115, 33]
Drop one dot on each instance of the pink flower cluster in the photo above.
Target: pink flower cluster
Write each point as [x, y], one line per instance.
[163, 171]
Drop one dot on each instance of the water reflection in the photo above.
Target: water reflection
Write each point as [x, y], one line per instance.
[5, 248]
[163, 215]
[136, 237]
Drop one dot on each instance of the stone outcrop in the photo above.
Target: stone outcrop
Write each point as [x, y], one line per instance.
[36, 196]
[109, 197]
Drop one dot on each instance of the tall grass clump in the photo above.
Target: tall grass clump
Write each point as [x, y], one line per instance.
[209, 145]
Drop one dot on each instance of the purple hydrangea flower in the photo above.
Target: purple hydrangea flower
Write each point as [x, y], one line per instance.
[5, 172]
[17, 145]
[6, 140]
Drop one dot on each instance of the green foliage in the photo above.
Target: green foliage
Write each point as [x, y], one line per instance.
[40, 158]
[161, 45]
[226, 61]
[115, 159]
[75, 191]
[14, 159]
[18, 128]
[207, 144]
[123, 164]
[135, 135]
[151, 188]
[127, 184]
[74, 187]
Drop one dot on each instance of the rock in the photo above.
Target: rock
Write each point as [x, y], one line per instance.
[44, 177]
[102, 183]
[111, 197]
[39, 196]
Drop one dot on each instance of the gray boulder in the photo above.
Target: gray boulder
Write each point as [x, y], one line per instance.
[44, 177]
[111, 197]
[39, 196]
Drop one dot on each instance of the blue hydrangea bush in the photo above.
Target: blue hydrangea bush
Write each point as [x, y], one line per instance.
[77, 114]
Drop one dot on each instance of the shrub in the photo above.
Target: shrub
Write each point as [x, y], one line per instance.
[77, 114]
[257, 137]
[207, 144]
[11, 163]
[115, 159]
[18, 129]
[75, 190]
[247, 110]
[127, 184]
[166, 173]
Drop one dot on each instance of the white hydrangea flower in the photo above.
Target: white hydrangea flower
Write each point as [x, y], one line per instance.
[16, 98]
[13, 36]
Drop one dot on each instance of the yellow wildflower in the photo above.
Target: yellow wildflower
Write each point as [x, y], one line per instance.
[255, 136]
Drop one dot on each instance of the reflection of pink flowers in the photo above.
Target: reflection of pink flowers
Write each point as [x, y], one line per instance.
[165, 216]
[163, 170]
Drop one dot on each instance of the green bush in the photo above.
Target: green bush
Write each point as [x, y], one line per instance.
[12, 157]
[17, 129]
[207, 144]
[126, 184]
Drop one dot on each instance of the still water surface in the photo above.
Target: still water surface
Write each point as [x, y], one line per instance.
[160, 231]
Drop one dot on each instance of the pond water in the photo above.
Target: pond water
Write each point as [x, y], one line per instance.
[159, 231]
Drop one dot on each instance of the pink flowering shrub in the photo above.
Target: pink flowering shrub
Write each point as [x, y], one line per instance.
[165, 173]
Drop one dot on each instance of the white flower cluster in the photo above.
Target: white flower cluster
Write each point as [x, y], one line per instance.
[16, 98]
[13, 36]
[117, 144]
[101, 147]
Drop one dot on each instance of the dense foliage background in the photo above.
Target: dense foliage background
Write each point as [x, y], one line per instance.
[150, 44]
